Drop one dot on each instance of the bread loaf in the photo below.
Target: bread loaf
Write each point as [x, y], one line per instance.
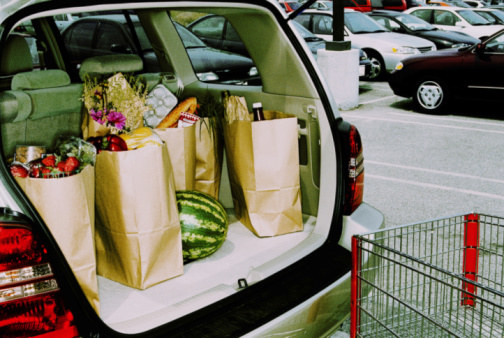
[189, 105]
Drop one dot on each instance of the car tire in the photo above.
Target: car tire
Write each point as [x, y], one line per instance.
[431, 95]
[378, 70]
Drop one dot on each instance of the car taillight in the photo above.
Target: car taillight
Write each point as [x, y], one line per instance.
[31, 304]
[354, 182]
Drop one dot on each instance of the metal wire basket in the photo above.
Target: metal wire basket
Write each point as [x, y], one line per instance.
[441, 278]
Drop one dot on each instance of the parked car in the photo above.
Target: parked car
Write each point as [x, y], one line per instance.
[323, 5]
[384, 48]
[457, 19]
[408, 24]
[395, 5]
[475, 3]
[494, 16]
[289, 6]
[251, 286]
[112, 34]
[217, 32]
[437, 79]
[439, 3]
[413, 3]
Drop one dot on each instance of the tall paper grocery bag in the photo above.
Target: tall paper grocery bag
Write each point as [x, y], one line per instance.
[181, 146]
[209, 156]
[67, 206]
[263, 164]
[138, 235]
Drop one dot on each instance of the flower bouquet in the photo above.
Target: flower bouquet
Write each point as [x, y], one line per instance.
[113, 105]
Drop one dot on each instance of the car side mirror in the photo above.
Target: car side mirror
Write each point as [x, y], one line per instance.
[460, 24]
[480, 48]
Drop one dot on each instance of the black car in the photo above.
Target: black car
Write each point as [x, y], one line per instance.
[113, 34]
[435, 79]
[217, 32]
[409, 24]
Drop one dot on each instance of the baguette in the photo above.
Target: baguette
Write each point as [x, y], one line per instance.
[189, 105]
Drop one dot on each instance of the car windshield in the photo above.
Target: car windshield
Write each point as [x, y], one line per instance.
[495, 14]
[189, 39]
[294, 5]
[326, 5]
[359, 23]
[414, 23]
[499, 14]
[473, 18]
[489, 17]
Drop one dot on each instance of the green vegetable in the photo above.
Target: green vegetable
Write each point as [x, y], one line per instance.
[72, 146]
[204, 224]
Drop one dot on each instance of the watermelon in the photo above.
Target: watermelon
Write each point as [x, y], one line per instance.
[204, 224]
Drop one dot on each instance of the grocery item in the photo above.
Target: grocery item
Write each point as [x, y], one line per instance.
[141, 137]
[27, 153]
[189, 105]
[110, 142]
[162, 101]
[258, 111]
[204, 224]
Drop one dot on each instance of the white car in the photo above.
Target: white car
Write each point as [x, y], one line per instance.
[51, 282]
[495, 16]
[458, 19]
[383, 47]
[475, 3]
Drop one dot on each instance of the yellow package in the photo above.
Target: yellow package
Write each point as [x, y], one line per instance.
[141, 137]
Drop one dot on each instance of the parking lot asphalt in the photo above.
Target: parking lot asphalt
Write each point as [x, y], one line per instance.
[420, 167]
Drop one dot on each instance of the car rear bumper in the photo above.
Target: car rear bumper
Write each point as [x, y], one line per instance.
[328, 308]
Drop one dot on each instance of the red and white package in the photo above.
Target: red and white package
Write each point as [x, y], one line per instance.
[187, 119]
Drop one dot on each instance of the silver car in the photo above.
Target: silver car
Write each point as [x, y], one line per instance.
[383, 47]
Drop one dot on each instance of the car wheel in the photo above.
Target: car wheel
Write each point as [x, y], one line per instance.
[377, 66]
[431, 95]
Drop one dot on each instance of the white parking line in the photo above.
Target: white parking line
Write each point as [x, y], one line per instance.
[436, 186]
[437, 172]
[457, 119]
[378, 100]
[367, 117]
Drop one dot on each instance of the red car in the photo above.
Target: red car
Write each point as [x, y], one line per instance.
[435, 79]
[290, 6]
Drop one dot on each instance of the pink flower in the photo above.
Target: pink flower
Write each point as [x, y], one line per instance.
[117, 119]
[97, 115]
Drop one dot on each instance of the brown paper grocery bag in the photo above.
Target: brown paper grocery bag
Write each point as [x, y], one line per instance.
[181, 146]
[263, 164]
[209, 156]
[138, 236]
[67, 207]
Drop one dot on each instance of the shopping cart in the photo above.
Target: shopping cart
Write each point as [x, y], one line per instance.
[441, 278]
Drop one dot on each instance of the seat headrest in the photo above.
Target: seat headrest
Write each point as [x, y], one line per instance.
[15, 56]
[49, 78]
[107, 65]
